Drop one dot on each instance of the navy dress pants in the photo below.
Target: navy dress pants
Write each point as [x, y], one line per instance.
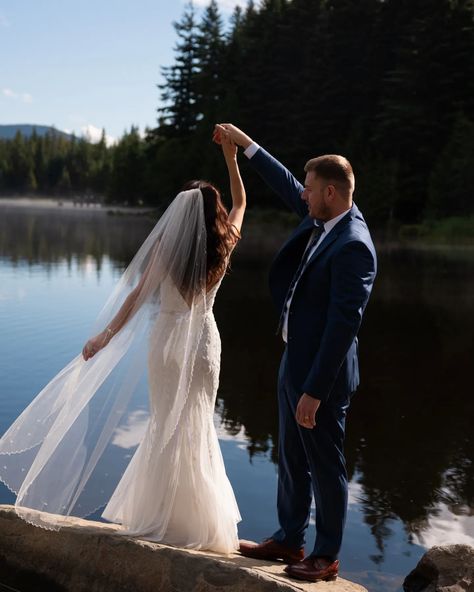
[311, 462]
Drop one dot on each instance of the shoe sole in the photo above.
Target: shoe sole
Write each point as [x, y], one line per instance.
[285, 560]
[325, 579]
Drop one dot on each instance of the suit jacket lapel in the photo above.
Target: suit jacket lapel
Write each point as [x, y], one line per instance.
[333, 234]
[308, 223]
[323, 245]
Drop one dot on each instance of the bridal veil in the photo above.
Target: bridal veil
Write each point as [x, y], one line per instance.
[66, 452]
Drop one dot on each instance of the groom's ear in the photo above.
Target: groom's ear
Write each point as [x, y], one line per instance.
[330, 192]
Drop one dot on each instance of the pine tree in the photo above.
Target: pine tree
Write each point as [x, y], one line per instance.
[232, 84]
[179, 114]
[79, 162]
[432, 77]
[209, 53]
[64, 183]
[20, 165]
[451, 185]
[40, 163]
[100, 166]
[127, 176]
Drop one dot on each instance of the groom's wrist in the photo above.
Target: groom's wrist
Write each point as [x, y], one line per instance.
[251, 149]
[245, 141]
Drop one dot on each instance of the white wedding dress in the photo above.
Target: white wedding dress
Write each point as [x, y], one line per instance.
[179, 494]
[63, 456]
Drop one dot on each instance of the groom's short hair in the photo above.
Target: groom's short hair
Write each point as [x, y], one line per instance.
[335, 168]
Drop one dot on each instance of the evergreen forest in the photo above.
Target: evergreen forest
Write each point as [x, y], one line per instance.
[387, 83]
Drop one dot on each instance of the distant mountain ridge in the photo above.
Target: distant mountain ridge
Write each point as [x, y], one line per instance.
[8, 132]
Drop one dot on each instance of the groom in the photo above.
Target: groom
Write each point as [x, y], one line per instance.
[320, 281]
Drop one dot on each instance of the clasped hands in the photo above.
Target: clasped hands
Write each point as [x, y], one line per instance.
[223, 137]
[236, 135]
[229, 137]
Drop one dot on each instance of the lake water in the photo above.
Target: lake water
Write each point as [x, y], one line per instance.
[409, 443]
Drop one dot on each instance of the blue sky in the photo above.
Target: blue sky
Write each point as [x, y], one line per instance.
[84, 65]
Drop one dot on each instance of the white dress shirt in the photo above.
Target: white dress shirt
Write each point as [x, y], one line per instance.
[250, 150]
[328, 226]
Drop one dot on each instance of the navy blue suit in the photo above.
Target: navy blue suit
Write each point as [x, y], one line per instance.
[320, 359]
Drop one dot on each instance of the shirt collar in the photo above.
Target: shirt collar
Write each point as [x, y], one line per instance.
[329, 224]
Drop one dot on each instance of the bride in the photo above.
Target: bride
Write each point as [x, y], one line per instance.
[64, 455]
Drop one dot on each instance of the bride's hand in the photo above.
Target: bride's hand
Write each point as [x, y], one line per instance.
[216, 134]
[223, 137]
[94, 345]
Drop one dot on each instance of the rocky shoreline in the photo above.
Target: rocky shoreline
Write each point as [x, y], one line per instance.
[88, 556]
[91, 556]
[443, 569]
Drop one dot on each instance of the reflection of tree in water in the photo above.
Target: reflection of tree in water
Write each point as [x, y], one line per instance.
[409, 431]
[459, 481]
[52, 235]
[250, 356]
[413, 411]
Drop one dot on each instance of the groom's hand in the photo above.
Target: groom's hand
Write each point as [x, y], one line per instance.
[236, 135]
[306, 411]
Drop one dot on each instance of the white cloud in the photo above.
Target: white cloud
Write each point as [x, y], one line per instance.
[446, 528]
[23, 97]
[224, 5]
[355, 493]
[131, 434]
[221, 431]
[223, 434]
[4, 22]
[94, 134]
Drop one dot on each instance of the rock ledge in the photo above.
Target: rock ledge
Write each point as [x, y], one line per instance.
[88, 556]
[443, 569]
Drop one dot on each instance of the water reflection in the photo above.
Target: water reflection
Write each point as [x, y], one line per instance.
[52, 235]
[410, 435]
[409, 446]
[131, 434]
[449, 524]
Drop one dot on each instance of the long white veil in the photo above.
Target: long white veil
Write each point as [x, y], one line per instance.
[66, 452]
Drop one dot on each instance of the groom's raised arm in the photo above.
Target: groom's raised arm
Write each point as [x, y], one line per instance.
[275, 175]
[278, 178]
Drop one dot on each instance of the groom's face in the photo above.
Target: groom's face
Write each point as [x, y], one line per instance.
[314, 196]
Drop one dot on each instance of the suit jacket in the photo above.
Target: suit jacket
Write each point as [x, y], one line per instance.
[331, 294]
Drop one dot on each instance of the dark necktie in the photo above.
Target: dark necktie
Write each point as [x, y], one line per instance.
[318, 231]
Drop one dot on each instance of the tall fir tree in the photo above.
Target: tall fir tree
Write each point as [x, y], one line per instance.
[421, 92]
[179, 115]
[209, 52]
[128, 168]
[452, 179]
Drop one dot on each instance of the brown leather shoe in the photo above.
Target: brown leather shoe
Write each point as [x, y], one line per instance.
[271, 551]
[313, 569]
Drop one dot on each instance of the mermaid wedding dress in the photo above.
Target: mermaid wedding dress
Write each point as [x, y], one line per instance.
[65, 455]
[179, 494]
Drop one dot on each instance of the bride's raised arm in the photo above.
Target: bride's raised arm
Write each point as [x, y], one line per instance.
[237, 189]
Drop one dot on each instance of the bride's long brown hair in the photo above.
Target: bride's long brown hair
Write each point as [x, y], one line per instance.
[221, 234]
